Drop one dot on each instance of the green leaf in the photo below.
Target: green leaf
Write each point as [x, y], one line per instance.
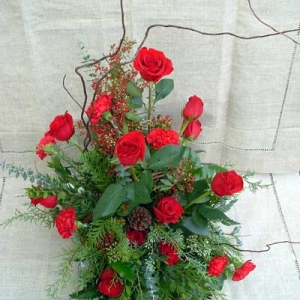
[163, 88]
[137, 193]
[58, 167]
[199, 220]
[135, 103]
[167, 156]
[133, 91]
[199, 188]
[215, 215]
[132, 117]
[146, 179]
[110, 200]
[89, 293]
[209, 170]
[124, 269]
[193, 228]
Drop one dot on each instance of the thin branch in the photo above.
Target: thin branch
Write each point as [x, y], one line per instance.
[86, 124]
[258, 251]
[268, 25]
[65, 88]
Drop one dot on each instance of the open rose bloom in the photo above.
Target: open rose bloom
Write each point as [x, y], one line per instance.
[142, 214]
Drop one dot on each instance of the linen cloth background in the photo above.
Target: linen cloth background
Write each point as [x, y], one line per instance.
[251, 93]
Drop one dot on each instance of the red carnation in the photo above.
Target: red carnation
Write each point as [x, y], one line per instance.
[98, 107]
[217, 265]
[168, 250]
[243, 271]
[46, 140]
[109, 284]
[137, 237]
[65, 222]
[159, 137]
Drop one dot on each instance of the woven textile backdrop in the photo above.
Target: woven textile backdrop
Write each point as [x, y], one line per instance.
[250, 87]
[251, 93]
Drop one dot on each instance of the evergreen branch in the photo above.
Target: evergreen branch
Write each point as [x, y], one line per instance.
[33, 215]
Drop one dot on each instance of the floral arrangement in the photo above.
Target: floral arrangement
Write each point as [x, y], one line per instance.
[143, 215]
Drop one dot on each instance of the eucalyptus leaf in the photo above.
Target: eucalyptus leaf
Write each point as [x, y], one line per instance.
[163, 88]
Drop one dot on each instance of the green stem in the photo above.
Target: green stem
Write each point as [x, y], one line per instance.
[183, 126]
[150, 104]
[198, 199]
[133, 174]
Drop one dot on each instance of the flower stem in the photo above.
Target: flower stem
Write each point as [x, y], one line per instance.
[150, 104]
[133, 174]
[183, 126]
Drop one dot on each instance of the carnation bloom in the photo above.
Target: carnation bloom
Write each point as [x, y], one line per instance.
[159, 137]
[98, 107]
[169, 251]
[243, 271]
[109, 284]
[217, 265]
[65, 222]
[46, 140]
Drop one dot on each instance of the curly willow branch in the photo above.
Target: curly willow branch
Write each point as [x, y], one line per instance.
[259, 251]
[225, 33]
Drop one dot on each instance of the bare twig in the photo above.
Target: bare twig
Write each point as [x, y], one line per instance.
[268, 25]
[259, 251]
[64, 79]
[86, 124]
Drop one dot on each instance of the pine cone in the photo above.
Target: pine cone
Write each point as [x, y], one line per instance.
[140, 219]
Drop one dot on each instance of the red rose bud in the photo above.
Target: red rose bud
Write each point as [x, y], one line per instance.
[168, 210]
[109, 285]
[227, 183]
[243, 271]
[99, 106]
[62, 127]
[159, 137]
[48, 202]
[130, 148]
[65, 222]
[193, 108]
[152, 64]
[192, 130]
[136, 237]
[46, 140]
[169, 251]
[217, 265]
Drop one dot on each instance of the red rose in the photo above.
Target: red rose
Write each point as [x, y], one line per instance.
[170, 251]
[109, 284]
[227, 183]
[98, 107]
[48, 202]
[152, 64]
[159, 137]
[217, 265]
[243, 271]
[193, 108]
[192, 130]
[65, 222]
[137, 237]
[46, 140]
[168, 210]
[62, 127]
[130, 148]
